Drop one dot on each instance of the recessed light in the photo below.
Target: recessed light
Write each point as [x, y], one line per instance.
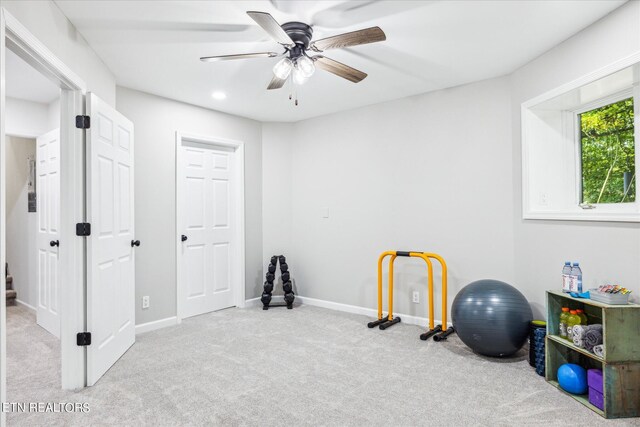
[218, 95]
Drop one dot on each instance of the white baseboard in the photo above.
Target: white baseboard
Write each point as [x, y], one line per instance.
[24, 304]
[156, 324]
[354, 309]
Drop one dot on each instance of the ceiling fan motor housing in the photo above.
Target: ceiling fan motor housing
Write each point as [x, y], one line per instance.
[299, 32]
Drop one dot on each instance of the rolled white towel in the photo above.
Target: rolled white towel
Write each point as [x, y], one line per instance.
[598, 350]
[578, 332]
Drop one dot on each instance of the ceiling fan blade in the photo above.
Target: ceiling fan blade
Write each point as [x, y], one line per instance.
[276, 83]
[238, 56]
[271, 26]
[354, 38]
[339, 69]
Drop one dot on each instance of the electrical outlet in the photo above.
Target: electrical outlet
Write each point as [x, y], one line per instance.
[416, 297]
[145, 301]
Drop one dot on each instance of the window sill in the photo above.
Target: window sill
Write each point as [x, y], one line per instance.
[591, 215]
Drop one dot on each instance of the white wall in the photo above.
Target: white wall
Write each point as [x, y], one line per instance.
[53, 114]
[156, 121]
[277, 206]
[26, 118]
[606, 251]
[428, 173]
[45, 21]
[21, 224]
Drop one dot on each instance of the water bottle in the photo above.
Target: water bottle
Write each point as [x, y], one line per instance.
[576, 278]
[566, 277]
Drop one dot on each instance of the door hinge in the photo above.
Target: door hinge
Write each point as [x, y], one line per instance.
[83, 229]
[83, 339]
[83, 122]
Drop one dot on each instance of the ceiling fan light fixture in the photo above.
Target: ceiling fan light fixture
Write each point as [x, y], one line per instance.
[299, 77]
[306, 66]
[283, 68]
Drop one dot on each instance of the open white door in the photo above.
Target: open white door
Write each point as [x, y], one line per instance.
[206, 212]
[48, 234]
[110, 247]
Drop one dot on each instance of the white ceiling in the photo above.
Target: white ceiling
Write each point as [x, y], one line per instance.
[155, 47]
[24, 82]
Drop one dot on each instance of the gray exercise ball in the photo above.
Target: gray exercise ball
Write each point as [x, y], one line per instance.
[491, 317]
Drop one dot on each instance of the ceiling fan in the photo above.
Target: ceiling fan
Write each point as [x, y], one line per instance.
[296, 38]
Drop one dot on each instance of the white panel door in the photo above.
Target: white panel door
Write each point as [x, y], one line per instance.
[110, 251]
[48, 234]
[207, 199]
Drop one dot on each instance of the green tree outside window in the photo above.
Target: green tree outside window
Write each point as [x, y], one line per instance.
[608, 154]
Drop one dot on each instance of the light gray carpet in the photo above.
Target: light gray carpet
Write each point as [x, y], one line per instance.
[306, 366]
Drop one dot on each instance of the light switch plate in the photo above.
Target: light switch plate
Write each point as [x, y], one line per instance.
[324, 212]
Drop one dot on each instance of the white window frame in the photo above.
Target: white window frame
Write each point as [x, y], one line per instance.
[602, 102]
[532, 208]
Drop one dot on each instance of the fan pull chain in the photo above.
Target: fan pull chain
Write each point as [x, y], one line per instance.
[293, 92]
[290, 87]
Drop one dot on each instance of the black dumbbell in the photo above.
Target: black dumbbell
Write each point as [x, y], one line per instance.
[282, 259]
[268, 287]
[274, 260]
[286, 287]
[286, 276]
[272, 268]
[288, 298]
[270, 277]
[266, 298]
[284, 267]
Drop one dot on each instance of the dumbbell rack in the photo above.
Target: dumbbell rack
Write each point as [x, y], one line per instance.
[287, 286]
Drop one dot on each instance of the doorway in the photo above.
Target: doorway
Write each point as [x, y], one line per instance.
[32, 216]
[93, 160]
[210, 224]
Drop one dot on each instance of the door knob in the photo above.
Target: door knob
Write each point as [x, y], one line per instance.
[184, 238]
[54, 243]
[135, 243]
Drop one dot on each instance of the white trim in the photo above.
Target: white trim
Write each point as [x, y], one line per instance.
[610, 212]
[604, 101]
[346, 308]
[35, 53]
[585, 79]
[582, 216]
[3, 234]
[24, 304]
[156, 324]
[72, 202]
[238, 146]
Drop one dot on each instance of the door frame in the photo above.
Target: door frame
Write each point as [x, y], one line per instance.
[239, 253]
[15, 36]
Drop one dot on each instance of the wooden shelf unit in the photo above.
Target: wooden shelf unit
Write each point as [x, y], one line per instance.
[621, 362]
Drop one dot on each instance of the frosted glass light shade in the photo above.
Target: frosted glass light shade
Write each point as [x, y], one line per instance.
[298, 76]
[306, 66]
[283, 68]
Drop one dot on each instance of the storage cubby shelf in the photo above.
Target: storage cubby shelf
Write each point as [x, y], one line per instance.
[564, 342]
[621, 362]
[582, 398]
